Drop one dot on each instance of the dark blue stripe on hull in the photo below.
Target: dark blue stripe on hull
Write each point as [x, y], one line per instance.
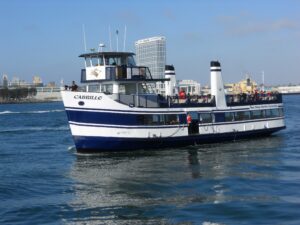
[102, 144]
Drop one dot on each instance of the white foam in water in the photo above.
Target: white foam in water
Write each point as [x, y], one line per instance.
[29, 112]
[8, 112]
[46, 111]
[210, 223]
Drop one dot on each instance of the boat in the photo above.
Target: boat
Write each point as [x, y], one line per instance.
[116, 109]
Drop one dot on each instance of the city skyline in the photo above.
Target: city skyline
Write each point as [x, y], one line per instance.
[45, 37]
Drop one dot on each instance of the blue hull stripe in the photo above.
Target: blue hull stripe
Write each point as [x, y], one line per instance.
[164, 111]
[127, 127]
[100, 144]
[125, 111]
[105, 119]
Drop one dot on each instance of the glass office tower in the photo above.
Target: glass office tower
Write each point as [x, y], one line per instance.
[151, 52]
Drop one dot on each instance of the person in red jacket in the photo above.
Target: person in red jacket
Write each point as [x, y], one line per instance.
[189, 122]
[182, 94]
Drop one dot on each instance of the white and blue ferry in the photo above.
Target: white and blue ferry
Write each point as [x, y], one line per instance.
[118, 110]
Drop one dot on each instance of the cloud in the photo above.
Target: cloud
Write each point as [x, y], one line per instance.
[191, 36]
[244, 25]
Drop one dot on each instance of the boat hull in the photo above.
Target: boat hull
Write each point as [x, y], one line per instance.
[89, 144]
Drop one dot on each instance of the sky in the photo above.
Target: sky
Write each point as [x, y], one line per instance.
[44, 38]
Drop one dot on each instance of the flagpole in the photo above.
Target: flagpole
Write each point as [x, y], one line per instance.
[117, 33]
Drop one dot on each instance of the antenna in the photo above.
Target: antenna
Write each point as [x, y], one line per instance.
[84, 40]
[109, 38]
[263, 80]
[117, 33]
[125, 29]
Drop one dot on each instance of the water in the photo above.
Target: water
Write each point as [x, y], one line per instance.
[44, 181]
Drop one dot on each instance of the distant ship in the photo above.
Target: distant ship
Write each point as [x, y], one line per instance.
[116, 110]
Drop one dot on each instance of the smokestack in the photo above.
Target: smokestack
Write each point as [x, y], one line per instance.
[216, 83]
[170, 85]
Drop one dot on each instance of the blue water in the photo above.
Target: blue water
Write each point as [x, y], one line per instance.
[44, 181]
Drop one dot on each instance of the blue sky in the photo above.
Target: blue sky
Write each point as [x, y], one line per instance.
[44, 38]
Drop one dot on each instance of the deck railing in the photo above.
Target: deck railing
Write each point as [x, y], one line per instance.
[253, 99]
[159, 101]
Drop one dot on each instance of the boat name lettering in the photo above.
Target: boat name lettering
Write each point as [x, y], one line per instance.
[88, 97]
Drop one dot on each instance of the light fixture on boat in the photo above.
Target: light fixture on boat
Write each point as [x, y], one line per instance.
[101, 46]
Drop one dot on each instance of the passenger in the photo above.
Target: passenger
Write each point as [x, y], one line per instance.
[188, 100]
[74, 86]
[182, 94]
[189, 122]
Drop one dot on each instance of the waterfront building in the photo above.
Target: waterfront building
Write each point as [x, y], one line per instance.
[289, 89]
[190, 87]
[17, 82]
[151, 52]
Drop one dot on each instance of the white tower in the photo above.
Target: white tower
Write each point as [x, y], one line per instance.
[216, 83]
[171, 84]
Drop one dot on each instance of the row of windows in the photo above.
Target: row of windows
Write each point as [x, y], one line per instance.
[217, 117]
[156, 119]
[240, 115]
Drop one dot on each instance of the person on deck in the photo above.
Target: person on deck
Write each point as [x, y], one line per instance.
[74, 86]
[189, 122]
[182, 94]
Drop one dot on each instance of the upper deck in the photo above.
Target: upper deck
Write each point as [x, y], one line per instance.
[113, 66]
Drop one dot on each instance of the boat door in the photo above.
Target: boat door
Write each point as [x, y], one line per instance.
[193, 126]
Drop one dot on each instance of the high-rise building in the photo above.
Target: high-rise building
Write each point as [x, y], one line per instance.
[151, 52]
[5, 81]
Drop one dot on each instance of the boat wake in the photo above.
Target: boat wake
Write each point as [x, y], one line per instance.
[32, 112]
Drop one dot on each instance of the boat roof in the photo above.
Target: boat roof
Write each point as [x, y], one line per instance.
[108, 54]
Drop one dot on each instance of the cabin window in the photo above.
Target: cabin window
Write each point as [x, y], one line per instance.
[94, 88]
[95, 62]
[110, 73]
[171, 119]
[272, 113]
[158, 119]
[154, 119]
[281, 113]
[107, 88]
[275, 112]
[205, 118]
[242, 115]
[130, 61]
[268, 113]
[194, 115]
[113, 61]
[229, 116]
[88, 62]
[257, 114]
